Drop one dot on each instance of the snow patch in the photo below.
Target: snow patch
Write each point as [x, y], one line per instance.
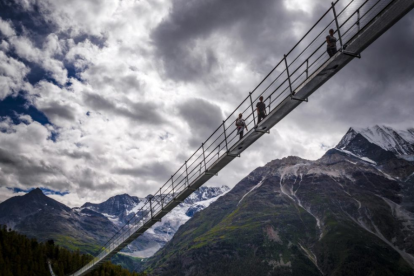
[366, 159]
[399, 142]
[146, 253]
[279, 263]
[408, 178]
[251, 190]
[312, 257]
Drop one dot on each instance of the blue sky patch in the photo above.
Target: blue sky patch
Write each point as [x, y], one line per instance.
[46, 191]
[13, 106]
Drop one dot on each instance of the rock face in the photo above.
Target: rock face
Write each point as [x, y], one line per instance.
[348, 213]
[117, 208]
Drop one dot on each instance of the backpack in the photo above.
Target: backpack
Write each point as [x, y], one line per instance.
[240, 123]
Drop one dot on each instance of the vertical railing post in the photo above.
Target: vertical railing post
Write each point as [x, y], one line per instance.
[150, 202]
[218, 152]
[186, 172]
[287, 71]
[172, 185]
[337, 25]
[270, 102]
[199, 171]
[225, 136]
[358, 23]
[251, 103]
[162, 201]
[307, 68]
[204, 157]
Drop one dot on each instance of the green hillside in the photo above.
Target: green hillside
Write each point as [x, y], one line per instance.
[23, 256]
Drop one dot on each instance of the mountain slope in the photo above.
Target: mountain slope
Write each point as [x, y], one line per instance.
[37, 215]
[382, 147]
[339, 215]
[16, 209]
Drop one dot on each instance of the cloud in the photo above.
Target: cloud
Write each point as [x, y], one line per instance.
[131, 88]
[55, 109]
[202, 118]
[12, 75]
[139, 112]
[155, 170]
[6, 29]
[190, 39]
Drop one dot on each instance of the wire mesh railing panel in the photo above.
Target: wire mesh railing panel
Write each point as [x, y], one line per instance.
[346, 18]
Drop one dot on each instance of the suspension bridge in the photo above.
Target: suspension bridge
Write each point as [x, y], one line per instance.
[305, 68]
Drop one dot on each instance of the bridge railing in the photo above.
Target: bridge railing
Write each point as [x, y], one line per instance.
[346, 18]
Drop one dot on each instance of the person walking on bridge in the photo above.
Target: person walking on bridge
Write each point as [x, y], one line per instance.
[241, 125]
[261, 110]
[331, 43]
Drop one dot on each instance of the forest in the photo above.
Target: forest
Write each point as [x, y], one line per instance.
[23, 256]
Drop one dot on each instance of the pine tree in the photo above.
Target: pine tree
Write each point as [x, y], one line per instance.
[21, 256]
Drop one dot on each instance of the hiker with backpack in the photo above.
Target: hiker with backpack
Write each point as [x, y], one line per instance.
[331, 43]
[261, 110]
[241, 125]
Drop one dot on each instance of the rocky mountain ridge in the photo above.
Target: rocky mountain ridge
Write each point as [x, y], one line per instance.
[121, 208]
[399, 142]
[348, 213]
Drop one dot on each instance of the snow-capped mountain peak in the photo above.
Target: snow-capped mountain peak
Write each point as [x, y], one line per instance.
[121, 208]
[399, 142]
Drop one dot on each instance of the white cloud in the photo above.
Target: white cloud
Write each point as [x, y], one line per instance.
[12, 74]
[300, 5]
[6, 28]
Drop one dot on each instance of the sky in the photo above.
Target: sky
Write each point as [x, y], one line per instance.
[99, 98]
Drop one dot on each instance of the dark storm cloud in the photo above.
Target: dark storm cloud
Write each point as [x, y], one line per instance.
[156, 171]
[143, 112]
[27, 171]
[257, 27]
[377, 89]
[202, 117]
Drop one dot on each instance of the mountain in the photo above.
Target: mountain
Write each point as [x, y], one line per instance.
[398, 142]
[16, 209]
[91, 225]
[390, 151]
[347, 213]
[37, 215]
[119, 209]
